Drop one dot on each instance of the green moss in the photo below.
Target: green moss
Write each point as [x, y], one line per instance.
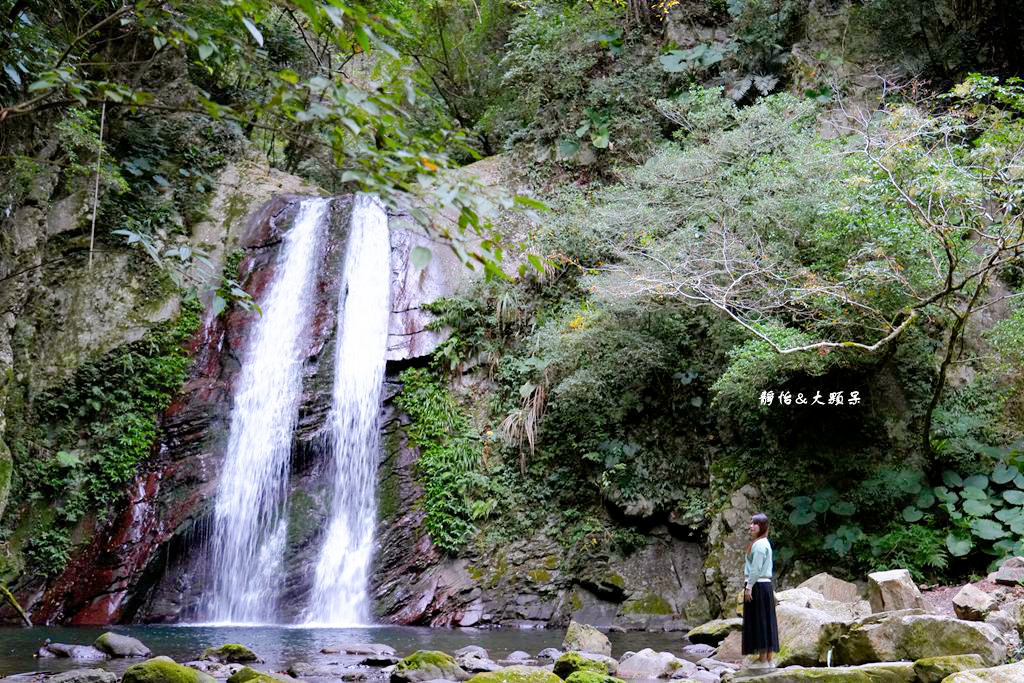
[422, 659]
[247, 675]
[591, 677]
[551, 562]
[648, 603]
[517, 674]
[615, 580]
[230, 654]
[475, 572]
[389, 497]
[571, 662]
[935, 669]
[301, 521]
[575, 601]
[499, 572]
[539, 575]
[163, 670]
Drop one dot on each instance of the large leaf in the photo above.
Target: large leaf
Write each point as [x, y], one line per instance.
[925, 499]
[978, 481]
[802, 516]
[958, 545]
[420, 257]
[1003, 474]
[1014, 497]
[844, 508]
[988, 529]
[912, 514]
[977, 508]
[974, 493]
[952, 479]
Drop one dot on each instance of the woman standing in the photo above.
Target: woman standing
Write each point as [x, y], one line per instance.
[760, 628]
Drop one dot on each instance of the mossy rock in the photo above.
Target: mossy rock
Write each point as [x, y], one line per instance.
[586, 638]
[517, 674]
[714, 632]
[117, 645]
[248, 675]
[648, 603]
[230, 654]
[584, 676]
[427, 665]
[572, 662]
[934, 669]
[164, 670]
[1007, 673]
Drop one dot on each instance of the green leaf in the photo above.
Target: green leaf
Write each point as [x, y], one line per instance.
[802, 516]
[13, 74]
[288, 76]
[68, 459]
[912, 514]
[1009, 515]
[978, 481]
[988, 529]
[535, 262]
[568, 148]
[601, 141]
[977, 508]
[821, 505]
[161, 181]
[253, 31]
[958, 546]
[951, 478]
[583, 129]
[844, 508]
[219, 304]
[205, 50]
[531, 203]
[1014, 497]
[971, 492]
[420, 257]
[925, 499]
[801, 502]
[1003, 474]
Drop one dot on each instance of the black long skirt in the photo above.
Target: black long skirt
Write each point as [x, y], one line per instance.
[760, 627]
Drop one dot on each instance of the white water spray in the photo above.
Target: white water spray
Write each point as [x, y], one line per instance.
[340, 595]
[250, 524]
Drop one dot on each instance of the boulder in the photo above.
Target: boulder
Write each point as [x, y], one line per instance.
[215, 669]
[841, 611]
[648, 665]
[117, 645]
[368, 649]
[164, 670]
[913, 635]
[584, 638]
[426, 665]
[581, 661]
[730, 649]
[1008, 673]
[972, 603]
[549, 654]
[699, 676]
[517, 674]
[84, 676]
[1010, 572]
[696, 652]
[804, 634]
[935, 669]
[889, 672]
[474, 650]
[831, 588]
[519, 657]
[230, 654]
[714, 632]
[474, 662]
[330, 671]
[893, 590]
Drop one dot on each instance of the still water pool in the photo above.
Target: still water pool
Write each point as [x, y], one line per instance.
[281, 646]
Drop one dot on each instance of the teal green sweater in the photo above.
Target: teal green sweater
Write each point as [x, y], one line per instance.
[758, 563]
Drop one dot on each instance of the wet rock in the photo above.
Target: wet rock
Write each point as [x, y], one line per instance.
[591, 677]
[698, 676]
[368, 649]
[473, 662]
[517, 674]
[164, 670]
[893, 590]
[117, 645]
[519, 657]
[215, 669]
[230, 654]
[83, 676]
[935, 669]
[584, 638]
[714, 632]
[333, 672]
[972, 603]
[246, 674]
[888, 672]
[82, 653]
[578, 661]
[648, 664]
[426, 665]
[549, 654]
[474, 650]
[1008, 673]
[696, 652]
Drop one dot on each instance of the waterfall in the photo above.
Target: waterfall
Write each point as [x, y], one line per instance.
[250, 525]
[339, 596]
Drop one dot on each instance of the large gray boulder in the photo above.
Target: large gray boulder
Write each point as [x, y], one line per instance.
[888, 672]
[893, 590]
[972, 604]
[714, 632]
[117, 645]
[428, 665]
[584, 638]
[649, 665]
[912, 635]
[935, 669]
[831, 588]
[840, 611]
[81, 653]
[804, 634]
[164, 670]
[1010, 572]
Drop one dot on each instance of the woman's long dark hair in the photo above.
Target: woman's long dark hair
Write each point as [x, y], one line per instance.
[761, 520]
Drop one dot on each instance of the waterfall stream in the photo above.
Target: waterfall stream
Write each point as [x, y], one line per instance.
[250, 524]
[339, 596]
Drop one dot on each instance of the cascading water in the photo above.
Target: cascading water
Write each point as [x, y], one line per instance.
[250, 524]
[339, 596]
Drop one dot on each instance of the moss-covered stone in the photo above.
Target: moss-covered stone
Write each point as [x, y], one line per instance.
[117, 645]
[230, 654]
[249, 675]
[427, 665]
[164, 670]
[591, 677]
[648, 603]
[539, 575]
[1008, 673]
[714, 632]
[585, 638]
[572, 662]
[517, 674]
[934, 669]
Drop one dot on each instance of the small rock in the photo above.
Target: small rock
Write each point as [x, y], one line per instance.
[972, 603]
[893, 590]
[549, 654]
[81, 653]
[83, 676]
[1010, 572]
[648, 664]
[831, 588]
[475, 650]
[164, 670]
[696, 652]
[426, 665]
[230, 654]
